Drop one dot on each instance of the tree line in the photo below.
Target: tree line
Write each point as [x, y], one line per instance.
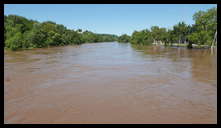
[202, 32]
[22, 33]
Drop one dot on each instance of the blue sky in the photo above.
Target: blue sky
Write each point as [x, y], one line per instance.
[109, 18]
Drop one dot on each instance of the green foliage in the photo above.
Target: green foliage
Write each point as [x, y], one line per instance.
[15, 41]
[205, 27]
[172, 38]
[90, 37]
[200, 38]
[107, 37]
[124, 38]
[141, 37]
[200, 33]
[181, 30]
[21, 33]
[158, 34]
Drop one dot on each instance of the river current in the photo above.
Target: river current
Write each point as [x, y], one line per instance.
[110, 83]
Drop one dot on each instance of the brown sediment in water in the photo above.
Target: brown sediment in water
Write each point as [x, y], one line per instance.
[110, 83]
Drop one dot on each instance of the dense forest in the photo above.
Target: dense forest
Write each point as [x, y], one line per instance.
[202, 32]
[22, 33]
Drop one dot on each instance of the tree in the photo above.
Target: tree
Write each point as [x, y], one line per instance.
[124, 38]
[205, 27]
[141, 37]
[15, 41]
[181, 30]
[155, 34]
[21, 33]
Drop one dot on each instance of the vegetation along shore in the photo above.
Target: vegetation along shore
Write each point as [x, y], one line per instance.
[22, 33]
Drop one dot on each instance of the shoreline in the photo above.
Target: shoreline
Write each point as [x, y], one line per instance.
[195, 46]
[176, 45]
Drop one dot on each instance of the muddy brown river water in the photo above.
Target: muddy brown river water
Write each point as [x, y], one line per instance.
[110, 83]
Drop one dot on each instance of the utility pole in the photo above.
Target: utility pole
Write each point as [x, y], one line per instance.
[215, 39]
[214, 42]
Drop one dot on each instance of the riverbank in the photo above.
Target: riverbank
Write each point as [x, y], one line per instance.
[195, 46]
[33, 48]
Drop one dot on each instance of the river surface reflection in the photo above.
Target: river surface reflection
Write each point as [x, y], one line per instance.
[110, 83]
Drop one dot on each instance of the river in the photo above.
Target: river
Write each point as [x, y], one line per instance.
[110, 83]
